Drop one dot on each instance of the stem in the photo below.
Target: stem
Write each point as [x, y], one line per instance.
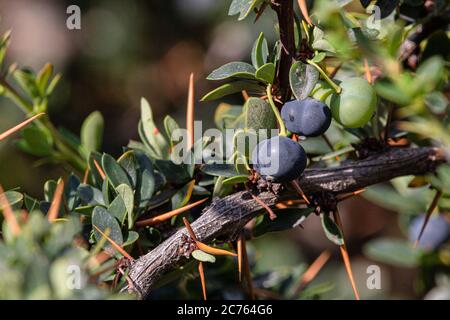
[336, 88]
[275, 110]
[24, 105]
[285, 15]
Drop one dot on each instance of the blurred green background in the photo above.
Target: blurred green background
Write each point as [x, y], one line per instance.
[128, 49]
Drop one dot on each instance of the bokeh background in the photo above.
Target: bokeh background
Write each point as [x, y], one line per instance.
[128, 49]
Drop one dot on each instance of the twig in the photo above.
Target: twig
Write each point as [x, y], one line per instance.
[225, 218]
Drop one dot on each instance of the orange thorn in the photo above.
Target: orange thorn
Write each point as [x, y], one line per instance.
[8, 213]
[19, 126]
[190, 112]
[430, 210]
[52, 214]
[299, 190]
[245, 95]
[312, 271]
[272, 214]
[367, 71]
[201, 271]
[214, 251]
[247, 274]
[114, 244]
[281, 206]
[100, 170]
[346, 257]
[189, 229]
[239, 252]
[165, 216]
[352, 194]
[304, 10]
[86, 175]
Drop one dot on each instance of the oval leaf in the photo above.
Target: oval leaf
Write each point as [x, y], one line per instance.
[203, 256]
[233, 69]
[115, 173]
[332, 230]
[266, 73]
[92, 132]
[302, 78]
[103, 220]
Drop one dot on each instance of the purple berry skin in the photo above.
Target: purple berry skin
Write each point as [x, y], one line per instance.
[279, 159]
[308, 117]
[436, 232]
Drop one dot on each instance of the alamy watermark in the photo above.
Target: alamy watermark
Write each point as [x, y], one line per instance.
[73, 21]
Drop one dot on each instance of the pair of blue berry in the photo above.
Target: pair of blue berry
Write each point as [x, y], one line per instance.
[282, 159]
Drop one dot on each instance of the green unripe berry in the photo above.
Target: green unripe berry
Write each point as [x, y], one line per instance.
[355, 105]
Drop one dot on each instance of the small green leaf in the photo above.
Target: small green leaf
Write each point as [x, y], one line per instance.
[232, 87]
[96, 176]
[126, 193]
[331, 229]
[226, 114]
[150, 134]
[103, 220]
[242, 7]
[92, 132]
[128, 162]
[266, 73]
[173, 173]
[220, 170]
[397, 252]
[14, 198]
[182, 197]
[259, 116]
[117, 208]
[319, 57]
[115, 173]
[30, 203]
[49, 190]
[286, 219]
[233, 69]
[392, 92]
[43, 78]
[131, 238]
[235, 180]
[303, 79]
[36, 141]
[146, 181]
[89, 195]
[320, 43]
[203, 256]
[260, 51]
[170, 126]
[71, 192]
[437, 102]
[27, 81]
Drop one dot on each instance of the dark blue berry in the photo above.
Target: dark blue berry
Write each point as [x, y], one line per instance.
[436, 232]
[308, 117]
[279, 159]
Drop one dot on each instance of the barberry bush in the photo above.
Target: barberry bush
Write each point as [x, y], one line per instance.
[342, 103]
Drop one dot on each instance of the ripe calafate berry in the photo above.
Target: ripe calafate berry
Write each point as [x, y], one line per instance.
[308, 117]
[279, 159]
[355, 105]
